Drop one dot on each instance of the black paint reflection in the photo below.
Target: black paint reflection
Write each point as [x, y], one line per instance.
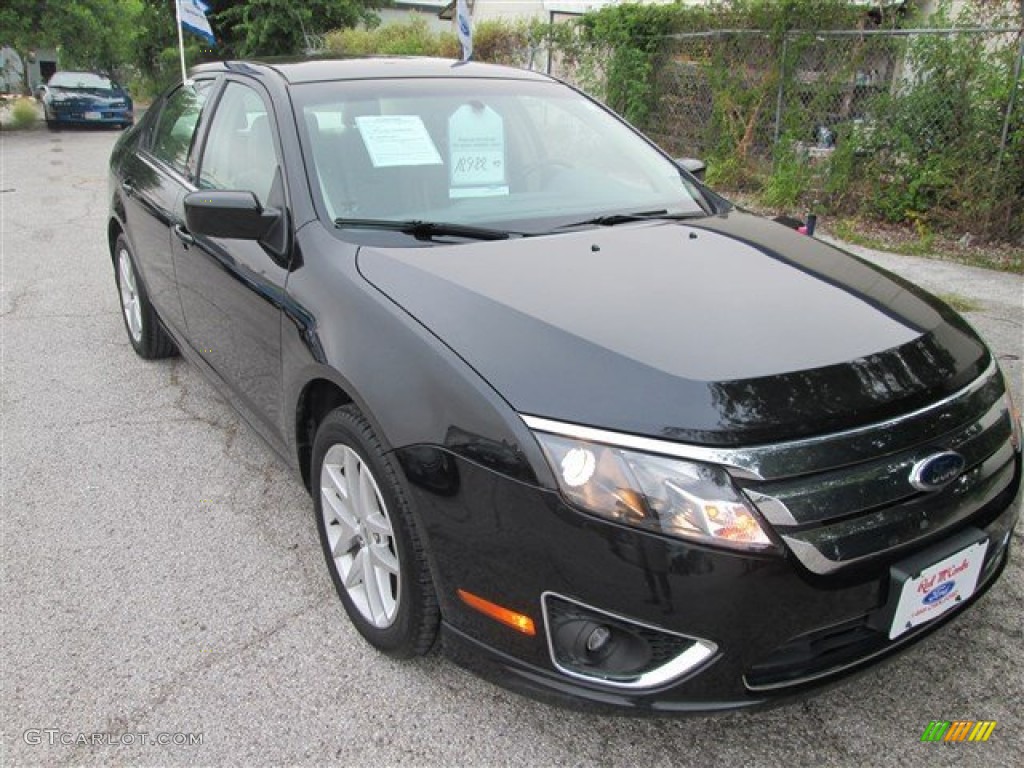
[430, 468]
[504, 458]
[865, 390]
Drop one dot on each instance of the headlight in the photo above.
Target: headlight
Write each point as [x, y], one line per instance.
[679, 498]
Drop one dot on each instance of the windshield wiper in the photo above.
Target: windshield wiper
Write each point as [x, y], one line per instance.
[425, 230]
[611, 219]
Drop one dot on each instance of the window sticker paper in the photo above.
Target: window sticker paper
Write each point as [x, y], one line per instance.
[397, 140]
[476, 144]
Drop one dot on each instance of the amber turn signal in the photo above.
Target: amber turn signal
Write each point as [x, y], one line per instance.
[518, 621]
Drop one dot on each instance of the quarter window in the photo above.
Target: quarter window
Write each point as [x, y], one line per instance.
[239, 152]
[172, 139]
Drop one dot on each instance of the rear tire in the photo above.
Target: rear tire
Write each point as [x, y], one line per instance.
[148, 338]
[369, 537]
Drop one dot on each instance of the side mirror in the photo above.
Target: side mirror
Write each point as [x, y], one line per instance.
[696, 167]
[803, 227]
[788, 221]
[237, 215]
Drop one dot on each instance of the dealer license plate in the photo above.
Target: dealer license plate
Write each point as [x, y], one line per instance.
[938, 588]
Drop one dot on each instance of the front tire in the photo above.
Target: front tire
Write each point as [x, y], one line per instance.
[369, 537]
[148, 338]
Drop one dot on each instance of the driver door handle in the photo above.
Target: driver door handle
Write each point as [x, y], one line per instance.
[184, 235]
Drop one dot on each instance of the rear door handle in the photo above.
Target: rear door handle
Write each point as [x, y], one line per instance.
[184, 235]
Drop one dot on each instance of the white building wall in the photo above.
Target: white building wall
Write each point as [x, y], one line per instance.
[400, 15]
[543, 9]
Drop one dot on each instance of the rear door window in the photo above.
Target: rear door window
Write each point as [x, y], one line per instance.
[175, 130]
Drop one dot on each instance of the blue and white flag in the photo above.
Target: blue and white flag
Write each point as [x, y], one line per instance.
[464, 26]
[192, 15]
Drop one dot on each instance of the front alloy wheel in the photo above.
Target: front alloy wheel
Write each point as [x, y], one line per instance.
[360, 536]
[370, 537]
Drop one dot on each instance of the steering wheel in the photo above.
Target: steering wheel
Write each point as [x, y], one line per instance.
[547, 167]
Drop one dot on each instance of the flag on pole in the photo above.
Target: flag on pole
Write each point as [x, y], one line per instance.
[464, 25]
[192, 15]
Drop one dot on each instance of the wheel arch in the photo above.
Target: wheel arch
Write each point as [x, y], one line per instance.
[114, 230]
[318, 398]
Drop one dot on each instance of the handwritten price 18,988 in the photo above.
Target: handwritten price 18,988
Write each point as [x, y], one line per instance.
[471, 163]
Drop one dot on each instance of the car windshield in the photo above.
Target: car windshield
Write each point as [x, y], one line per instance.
[514, 154]
[83, 80]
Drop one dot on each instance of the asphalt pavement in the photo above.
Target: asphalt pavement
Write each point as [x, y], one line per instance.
[162, 580]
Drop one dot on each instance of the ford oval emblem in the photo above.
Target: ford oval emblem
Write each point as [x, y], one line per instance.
[938, 593]
[937, 471]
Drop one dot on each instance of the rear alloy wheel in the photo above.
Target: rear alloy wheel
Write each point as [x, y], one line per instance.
[369, 538]
[148, 337]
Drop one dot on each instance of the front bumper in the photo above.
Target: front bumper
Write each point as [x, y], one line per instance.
[778, 628]
[90, 115]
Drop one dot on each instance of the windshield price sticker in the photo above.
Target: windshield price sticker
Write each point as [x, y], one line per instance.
[476, 145]
[397, 140]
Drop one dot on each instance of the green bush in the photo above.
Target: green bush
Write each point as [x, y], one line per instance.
[634, 37]
[502, 42]
[933, 150]
[410, 38]
[495, 41]
[24, 114]
[791, 180]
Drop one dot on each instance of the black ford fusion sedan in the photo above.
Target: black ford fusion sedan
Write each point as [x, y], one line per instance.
[613, 440]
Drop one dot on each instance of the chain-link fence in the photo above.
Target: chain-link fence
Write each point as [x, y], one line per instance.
[923, 124]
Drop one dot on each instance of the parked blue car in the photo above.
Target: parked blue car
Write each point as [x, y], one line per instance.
[85, 98]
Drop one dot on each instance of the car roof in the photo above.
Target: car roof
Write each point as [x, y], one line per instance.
[371, 68]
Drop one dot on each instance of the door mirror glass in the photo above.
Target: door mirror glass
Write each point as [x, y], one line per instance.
[697, 168]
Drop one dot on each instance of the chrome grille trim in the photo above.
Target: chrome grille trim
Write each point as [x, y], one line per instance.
[903, 524]
[810, 455]
[853, 490]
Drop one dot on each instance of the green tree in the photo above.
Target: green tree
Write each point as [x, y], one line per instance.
[243, 28]
[247, 28]
[91, 34]
[156, 45]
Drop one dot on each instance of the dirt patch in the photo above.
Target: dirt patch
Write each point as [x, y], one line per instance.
[906, 239]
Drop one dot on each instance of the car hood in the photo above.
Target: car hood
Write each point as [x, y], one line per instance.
[726, 330]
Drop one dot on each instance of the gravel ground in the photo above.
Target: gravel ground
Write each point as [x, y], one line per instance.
[161, 574]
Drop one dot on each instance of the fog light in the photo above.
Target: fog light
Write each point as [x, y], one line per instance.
[598, 639]
[600, 650]
[604, 648]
